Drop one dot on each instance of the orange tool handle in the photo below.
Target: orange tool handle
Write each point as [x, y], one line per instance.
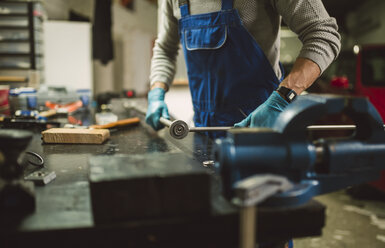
[69, 107]
[125, 122]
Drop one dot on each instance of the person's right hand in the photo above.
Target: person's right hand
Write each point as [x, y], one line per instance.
[266, 114]
[156, 108]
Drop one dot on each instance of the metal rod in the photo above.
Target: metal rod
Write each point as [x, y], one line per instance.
[248, 226]
[310, 128]
[142, 111]
[180, 128]
[165, 122]
[205, 129]
[331, 127]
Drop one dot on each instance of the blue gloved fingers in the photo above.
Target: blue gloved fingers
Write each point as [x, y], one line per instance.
[277, 102]
[154, 112]
[244, 123]
[165, 112]
[151, 118]
[260, 120]
[266, 114]
[156, 108]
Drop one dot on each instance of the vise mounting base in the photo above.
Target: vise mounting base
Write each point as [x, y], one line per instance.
[147, 186]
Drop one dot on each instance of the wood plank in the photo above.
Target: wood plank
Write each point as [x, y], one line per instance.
[75, 136]
[12, 79]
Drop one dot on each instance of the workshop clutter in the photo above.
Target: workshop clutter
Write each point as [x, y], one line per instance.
[23, 98]
[28, 107]
[4, 102]
[60, 98]
[22, 43]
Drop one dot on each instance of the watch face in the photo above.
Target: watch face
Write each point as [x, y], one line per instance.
[291, 96]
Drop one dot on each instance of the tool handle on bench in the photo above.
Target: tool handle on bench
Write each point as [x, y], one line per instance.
[165, 121]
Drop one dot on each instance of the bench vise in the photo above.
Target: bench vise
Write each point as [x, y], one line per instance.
[313, 166]
[17, 196]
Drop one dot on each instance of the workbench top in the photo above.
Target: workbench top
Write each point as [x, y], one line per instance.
[63, 208]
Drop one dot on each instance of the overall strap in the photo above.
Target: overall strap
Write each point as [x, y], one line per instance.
[184, 7]
[227, 4]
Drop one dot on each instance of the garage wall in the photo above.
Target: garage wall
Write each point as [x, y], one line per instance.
[67, 54]
[134, 34]
[367, 24]
[59, 9]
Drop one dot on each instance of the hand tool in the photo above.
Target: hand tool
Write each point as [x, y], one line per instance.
[21, 123]
[310, 128]
[120, 123]
[179, 129]
[315, 166]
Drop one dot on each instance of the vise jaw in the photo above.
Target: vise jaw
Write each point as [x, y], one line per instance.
[314, 166]
[17, 197]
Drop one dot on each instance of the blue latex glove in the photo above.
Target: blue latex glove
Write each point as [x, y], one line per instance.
[156, 108]
[266, 114]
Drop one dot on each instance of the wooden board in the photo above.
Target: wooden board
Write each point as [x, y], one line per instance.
[75, 136]
[12, 79]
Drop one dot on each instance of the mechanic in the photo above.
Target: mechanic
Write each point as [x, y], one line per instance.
[232, 50]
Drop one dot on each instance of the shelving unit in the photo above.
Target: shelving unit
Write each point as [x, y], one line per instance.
[21, 42]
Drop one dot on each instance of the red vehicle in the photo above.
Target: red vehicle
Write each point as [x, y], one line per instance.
[370, 77]
[367, 79]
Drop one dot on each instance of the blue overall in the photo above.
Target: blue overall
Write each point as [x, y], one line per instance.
[227, 70]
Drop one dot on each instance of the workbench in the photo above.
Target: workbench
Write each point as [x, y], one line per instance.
[63, 216]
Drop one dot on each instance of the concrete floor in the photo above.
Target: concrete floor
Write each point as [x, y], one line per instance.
[351, 222]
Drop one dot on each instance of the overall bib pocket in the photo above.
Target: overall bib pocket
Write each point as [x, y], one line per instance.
[205, 38]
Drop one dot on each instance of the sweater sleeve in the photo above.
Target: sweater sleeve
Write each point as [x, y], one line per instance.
[166, 46]
[317, 31]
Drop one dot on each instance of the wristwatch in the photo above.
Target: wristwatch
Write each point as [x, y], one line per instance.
[288, 94]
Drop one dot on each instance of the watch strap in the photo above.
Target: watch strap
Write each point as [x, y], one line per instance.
[288, 94]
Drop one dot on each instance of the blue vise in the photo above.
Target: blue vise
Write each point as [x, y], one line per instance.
[314, 166]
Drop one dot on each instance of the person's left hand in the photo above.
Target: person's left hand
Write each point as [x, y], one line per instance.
[266, 114]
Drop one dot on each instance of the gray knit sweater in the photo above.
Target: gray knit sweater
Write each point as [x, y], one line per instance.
[262, 18]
